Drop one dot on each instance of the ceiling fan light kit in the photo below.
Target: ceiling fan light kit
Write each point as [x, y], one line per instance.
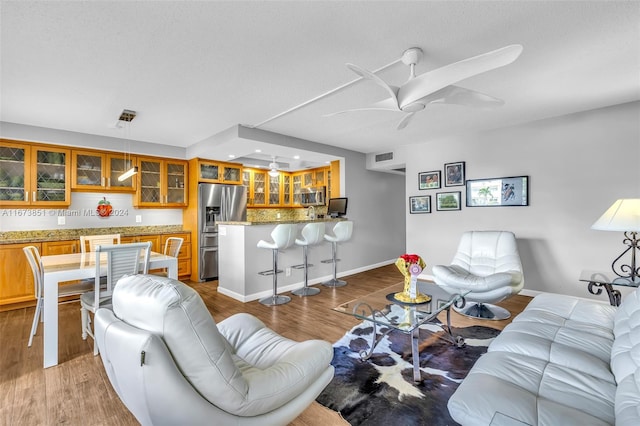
[273, 168]
[437, 86]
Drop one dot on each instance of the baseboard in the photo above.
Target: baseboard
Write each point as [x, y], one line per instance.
[294, 286]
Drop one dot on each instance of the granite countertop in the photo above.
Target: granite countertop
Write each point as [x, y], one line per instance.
[19, 237]
[277, 222]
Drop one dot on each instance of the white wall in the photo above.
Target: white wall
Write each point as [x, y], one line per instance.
[578, 166]
[81, 214]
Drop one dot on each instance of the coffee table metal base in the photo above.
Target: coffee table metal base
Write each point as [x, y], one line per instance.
[415, 339]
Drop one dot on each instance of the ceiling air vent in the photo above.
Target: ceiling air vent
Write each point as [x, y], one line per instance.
[384, 157]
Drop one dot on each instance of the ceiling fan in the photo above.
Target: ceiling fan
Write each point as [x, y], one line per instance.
[436, 86]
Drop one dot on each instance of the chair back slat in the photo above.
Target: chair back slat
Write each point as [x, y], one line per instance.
[122, 259]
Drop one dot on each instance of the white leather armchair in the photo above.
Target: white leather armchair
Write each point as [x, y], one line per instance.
[488, 264]
[171, 364]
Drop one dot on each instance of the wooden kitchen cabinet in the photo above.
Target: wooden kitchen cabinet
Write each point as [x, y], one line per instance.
[16, 278]
[219, 172]
[154, 239]
[33, 175]
[99, 171]
[161, 183]
[184, 257]
[257, 189]
[50, 248]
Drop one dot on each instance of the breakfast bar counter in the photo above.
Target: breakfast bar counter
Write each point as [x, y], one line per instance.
[240, 259]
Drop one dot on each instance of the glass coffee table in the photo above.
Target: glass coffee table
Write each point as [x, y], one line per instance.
[382, 310]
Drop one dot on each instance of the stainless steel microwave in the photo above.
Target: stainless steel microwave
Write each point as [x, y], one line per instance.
[313, 196]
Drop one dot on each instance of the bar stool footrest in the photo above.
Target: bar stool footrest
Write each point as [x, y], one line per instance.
[269, 272]
[329, 261]
[301, 266]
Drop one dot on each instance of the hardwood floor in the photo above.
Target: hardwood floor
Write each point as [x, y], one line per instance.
[77, 391]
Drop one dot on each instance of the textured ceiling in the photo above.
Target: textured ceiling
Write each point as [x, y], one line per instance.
[193, 69]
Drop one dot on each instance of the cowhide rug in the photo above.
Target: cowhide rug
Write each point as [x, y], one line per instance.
[381, 391]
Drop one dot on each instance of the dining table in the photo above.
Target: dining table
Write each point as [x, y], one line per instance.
[77, 266]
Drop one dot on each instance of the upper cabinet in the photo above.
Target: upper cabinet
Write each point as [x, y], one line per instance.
[219, 172]
[33, 175]
[256, 182]
[161, 183]
[97, 171]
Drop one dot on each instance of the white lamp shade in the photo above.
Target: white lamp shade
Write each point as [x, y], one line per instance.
[623, 215]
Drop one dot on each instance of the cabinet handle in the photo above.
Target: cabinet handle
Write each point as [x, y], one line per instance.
[26, 196]
[109, 181]
[33, 196]
[104, 181]
[73, 249]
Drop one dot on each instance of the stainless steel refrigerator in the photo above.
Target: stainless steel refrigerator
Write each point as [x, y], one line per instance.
[216, 203]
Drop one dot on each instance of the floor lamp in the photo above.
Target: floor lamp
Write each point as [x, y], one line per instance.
[624, 216]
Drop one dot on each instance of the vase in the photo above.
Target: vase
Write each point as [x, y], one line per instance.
[410, 293]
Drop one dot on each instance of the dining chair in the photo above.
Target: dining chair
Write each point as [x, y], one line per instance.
[171, 248]
[93, 240]
[121, 260]
[33, 257]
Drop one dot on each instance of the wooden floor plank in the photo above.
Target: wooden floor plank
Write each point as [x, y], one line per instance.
[78, 389]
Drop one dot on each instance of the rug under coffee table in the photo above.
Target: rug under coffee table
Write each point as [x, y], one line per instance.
[382, 310]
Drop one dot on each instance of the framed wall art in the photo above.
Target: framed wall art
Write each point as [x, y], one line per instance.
[498, 192]
[420, 204]
[448, 201]
[429, 180]
[454, 174]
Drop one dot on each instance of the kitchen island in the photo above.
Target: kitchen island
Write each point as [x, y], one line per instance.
[240, 259]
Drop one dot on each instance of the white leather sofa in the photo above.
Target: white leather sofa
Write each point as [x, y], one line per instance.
[562, 361]
[171, 364]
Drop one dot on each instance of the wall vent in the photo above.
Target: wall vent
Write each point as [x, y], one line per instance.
[384, 157]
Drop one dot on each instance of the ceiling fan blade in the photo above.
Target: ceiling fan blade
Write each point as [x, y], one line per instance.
[391, 90]
[461, 96]
[405, 120]
[432, 81]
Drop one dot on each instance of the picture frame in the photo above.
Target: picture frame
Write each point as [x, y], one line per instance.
[448, 201]
[498, 192]
[420, 204]
[429, 180]
[454, 174]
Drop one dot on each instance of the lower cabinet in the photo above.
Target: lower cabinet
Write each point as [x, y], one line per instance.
[184, 257]
[16, 278]
[154, 239]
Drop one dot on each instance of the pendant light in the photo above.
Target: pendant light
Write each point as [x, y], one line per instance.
[126, 118]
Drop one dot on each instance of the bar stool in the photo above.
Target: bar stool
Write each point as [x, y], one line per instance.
[283, 236]
[312, 234]
[341, 233]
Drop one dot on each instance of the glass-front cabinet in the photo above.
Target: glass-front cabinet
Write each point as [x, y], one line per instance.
[162, 183]
[217, 172]
[33, 175]
[274, 190]
[286, 189]
[95, 171]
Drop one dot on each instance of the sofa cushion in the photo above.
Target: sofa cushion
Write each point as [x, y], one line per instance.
[628, 401]
[532, 391]
[625, 353]
[569, 348]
